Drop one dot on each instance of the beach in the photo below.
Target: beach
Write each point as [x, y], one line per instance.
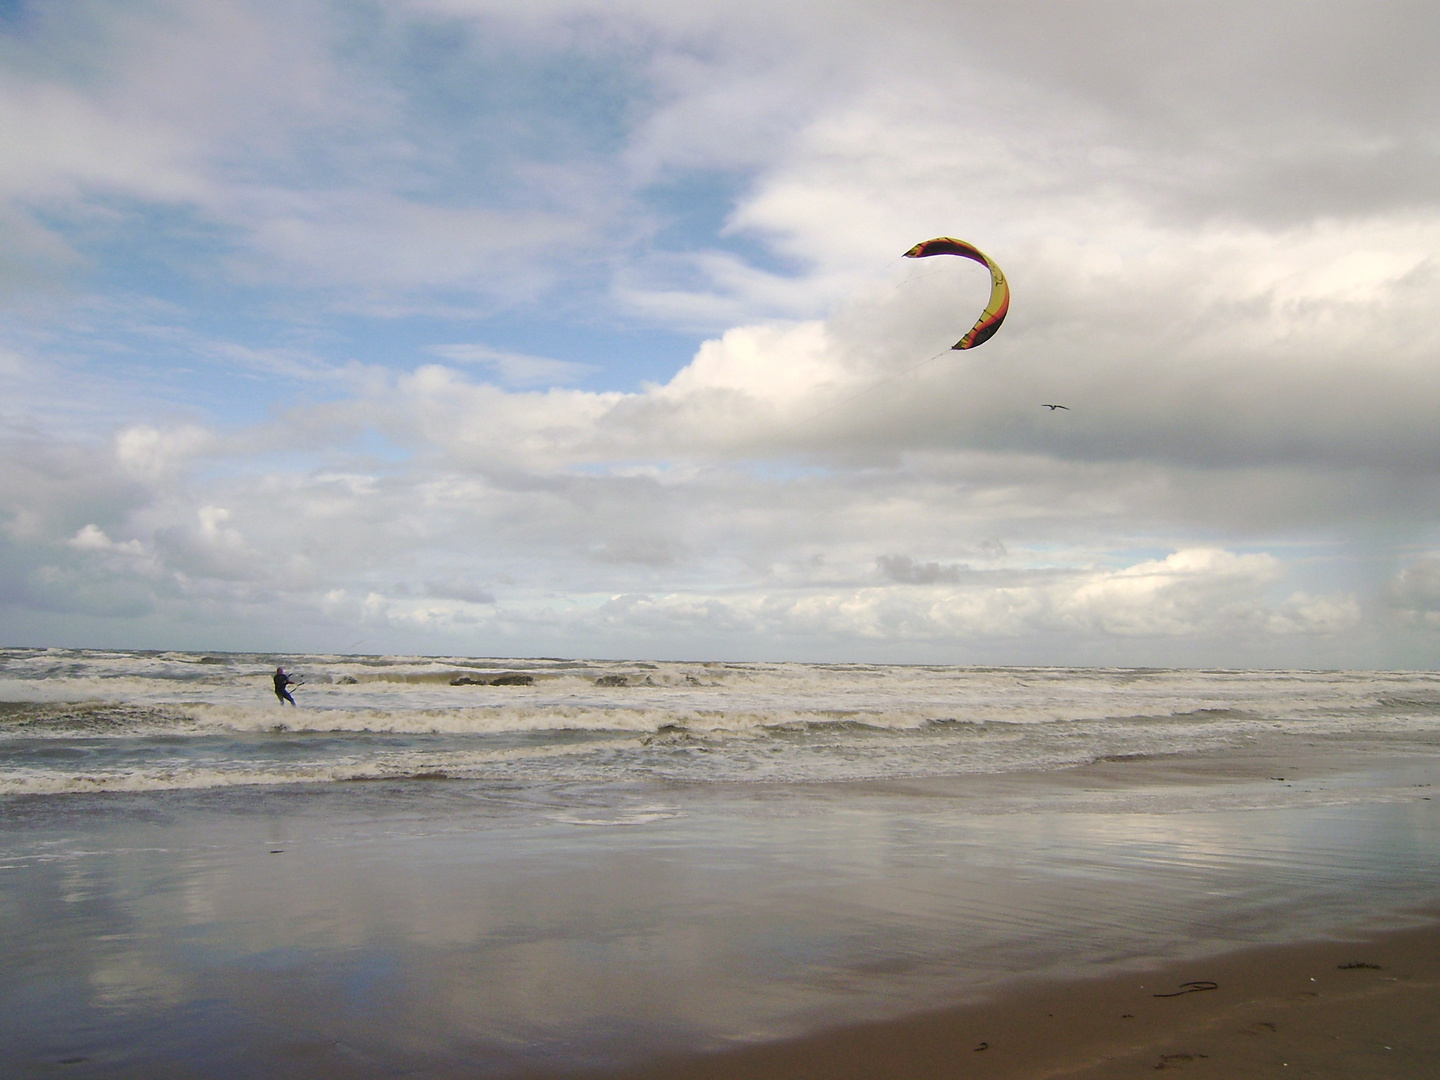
[567, 880]
[1365, 1005]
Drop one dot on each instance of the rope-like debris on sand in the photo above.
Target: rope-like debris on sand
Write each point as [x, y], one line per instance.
[1193, 987]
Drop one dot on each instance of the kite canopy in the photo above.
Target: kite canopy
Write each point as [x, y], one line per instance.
[994, 313]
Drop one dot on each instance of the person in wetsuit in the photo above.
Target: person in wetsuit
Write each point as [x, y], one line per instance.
[282, 681]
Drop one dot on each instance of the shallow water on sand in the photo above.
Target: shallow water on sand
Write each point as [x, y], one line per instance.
[420, 872]
[476, 927]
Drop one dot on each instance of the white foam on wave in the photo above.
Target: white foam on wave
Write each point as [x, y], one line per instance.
[642, 815]
[659, 716]
[705, 694]
[385, 717]
[426, 763]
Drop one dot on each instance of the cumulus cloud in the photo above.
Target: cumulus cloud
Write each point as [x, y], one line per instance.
[149, 453]
[93, 538]
[1220, 226]
[1198, 595]
[1414, 593]
[459, 590]
[904, 569]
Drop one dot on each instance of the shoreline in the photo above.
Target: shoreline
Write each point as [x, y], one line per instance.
[1365, 1004]
[660, 930]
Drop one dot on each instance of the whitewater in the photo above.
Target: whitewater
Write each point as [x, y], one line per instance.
[459, 866]
[78, 720]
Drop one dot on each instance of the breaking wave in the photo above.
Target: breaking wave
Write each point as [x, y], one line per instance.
[77, 720]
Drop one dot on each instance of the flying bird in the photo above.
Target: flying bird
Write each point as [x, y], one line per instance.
[1052, 408]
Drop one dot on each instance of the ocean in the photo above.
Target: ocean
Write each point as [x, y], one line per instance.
[92, 720]
[420, 872]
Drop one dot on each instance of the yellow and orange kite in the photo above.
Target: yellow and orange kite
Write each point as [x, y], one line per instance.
[995, 310]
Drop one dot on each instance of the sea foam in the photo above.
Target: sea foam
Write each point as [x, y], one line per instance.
[78, 720]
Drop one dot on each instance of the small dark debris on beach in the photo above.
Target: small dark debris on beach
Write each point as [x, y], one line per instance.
[1356, 965]
[1192, 987]
[277, 851]
[1169, 1061]
[982, 1046]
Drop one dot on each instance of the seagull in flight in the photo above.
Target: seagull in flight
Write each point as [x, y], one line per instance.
[1052, 408]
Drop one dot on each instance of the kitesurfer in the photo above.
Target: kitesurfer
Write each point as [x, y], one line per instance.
[282, 681]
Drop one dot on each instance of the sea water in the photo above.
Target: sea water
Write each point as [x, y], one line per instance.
[90, 720]
[418, 872]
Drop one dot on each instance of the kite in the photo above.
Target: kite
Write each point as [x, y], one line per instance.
[994, 313]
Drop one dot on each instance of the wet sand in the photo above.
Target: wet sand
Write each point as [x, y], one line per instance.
[1366, 1007]
[943, 927]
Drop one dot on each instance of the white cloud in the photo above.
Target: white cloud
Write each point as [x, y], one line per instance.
[93, 538]
[389, 249]
[1176, 595]
[146, 452]
[1414, 593]
[464, 591]
[1197, 595]
[904, 569]
[516, 369]
[1220, 227]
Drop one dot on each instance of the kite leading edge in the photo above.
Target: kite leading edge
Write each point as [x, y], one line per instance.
[995, 310]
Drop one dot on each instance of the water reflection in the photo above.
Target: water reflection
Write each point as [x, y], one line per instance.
[448, 927]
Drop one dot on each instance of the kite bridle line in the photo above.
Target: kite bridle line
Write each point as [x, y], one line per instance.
[916, 274]
[868, 388]
[999, 299]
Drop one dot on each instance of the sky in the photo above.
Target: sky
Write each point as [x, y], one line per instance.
[575, 328]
